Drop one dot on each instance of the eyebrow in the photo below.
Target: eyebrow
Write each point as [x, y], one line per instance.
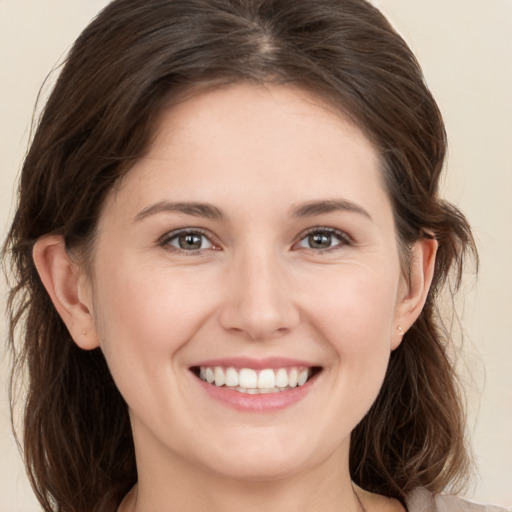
[209, 211]
[204, 210]
[313, 208]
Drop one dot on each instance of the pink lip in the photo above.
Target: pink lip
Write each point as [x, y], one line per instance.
[256, 364]
[261, 403]
[256, 403]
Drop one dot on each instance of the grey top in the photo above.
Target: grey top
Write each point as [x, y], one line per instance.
[421, 500]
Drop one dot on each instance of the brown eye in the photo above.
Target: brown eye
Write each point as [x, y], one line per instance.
[319, 241]
[188, 241]
[324, 239]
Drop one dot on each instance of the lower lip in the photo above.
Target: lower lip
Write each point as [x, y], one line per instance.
[264, 402]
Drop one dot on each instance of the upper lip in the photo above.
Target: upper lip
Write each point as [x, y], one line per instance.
[256, 364]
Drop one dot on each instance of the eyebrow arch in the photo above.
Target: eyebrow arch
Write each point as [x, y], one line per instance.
[312, 208]
[205, 210]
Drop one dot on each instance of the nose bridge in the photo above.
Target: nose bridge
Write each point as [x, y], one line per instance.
[259, 301]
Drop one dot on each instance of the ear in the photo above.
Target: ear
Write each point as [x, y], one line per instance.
[414, 288]
[68, 288]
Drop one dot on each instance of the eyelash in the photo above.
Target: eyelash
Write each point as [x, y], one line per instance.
[166, 240]
[344, 240]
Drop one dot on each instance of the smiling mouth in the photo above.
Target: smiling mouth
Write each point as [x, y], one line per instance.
[253, 382]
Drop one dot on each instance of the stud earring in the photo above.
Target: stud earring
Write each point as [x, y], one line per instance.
[84, 333]
[401, 331]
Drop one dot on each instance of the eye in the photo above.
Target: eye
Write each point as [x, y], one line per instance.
[324, 239]
[187, 241]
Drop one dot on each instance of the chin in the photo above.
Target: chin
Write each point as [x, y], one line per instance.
[263, 462]
[248, 470]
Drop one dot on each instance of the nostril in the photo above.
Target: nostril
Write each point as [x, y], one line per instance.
[259, 312]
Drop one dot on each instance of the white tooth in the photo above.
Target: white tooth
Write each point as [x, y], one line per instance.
[242, 390]
[252, 391]
[266, 379]
[303, 377]
[220, 378]
[231, 377]
[265, 391]
[281, 378]
[210, 376]
[202, 373]
[292, 377]
[248, 378]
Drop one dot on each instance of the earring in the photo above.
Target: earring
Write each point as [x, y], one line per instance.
[84, 333]
[401, 331]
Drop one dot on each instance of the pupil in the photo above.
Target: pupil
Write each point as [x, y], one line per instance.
[190, 241]
[319, 241]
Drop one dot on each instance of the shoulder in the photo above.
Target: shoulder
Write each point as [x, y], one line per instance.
[421, 500]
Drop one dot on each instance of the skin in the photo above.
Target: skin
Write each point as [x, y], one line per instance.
[256, 288]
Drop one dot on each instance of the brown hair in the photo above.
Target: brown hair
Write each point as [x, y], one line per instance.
[123, 69]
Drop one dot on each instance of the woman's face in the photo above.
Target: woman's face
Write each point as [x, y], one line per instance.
[254, 242]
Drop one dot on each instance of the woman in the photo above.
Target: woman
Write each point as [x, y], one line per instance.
[228, 249]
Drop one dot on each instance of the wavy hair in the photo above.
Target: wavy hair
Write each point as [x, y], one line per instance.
[127, 65]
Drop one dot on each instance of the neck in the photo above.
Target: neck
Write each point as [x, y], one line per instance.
[248, 498]
[179, 486]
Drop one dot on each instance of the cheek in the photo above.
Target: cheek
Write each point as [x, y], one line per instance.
[356, 309]
[144, 321]
[355, 319]
[143, 324]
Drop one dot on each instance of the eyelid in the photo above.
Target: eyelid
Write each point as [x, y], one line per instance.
[343, 236]
[167, 237]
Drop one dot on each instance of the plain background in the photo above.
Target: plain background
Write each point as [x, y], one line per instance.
[465, 48]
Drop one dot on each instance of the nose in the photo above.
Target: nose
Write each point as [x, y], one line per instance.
[258, 301]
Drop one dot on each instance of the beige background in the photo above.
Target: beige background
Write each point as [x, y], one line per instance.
[465, 47]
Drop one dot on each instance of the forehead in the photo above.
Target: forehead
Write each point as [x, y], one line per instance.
[243, 140]
[260, 107]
